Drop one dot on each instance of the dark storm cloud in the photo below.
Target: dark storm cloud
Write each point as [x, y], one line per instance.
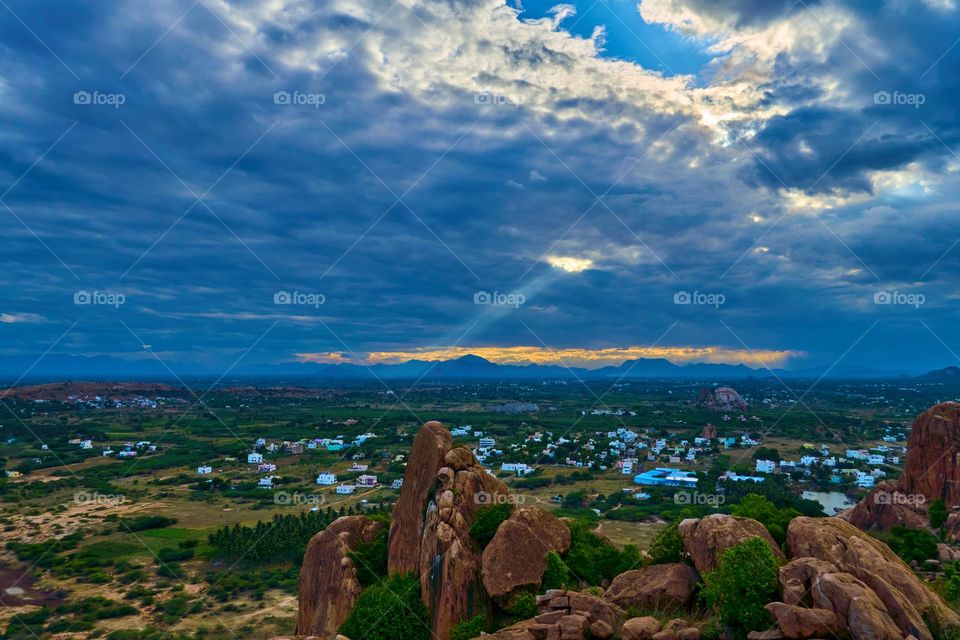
[304, 199]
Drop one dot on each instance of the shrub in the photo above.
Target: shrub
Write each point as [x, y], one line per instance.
[766, 513]
[593, 559]
[912, 544]
[486, 521]
[467, 629]
[667, 546]
[388, 610]
[937, 513]
[523, 605]
[557, 575]
[370, 558]
[745, 579]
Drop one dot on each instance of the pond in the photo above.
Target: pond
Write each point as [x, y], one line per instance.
[832, 501]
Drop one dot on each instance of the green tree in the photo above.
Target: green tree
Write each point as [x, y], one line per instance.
[743, 582]
[937, 513]
[557, 575]
[766, 513]
[487, 520]
[467, 629]
[388, 610]
[667, 546]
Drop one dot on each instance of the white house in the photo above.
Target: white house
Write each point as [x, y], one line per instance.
[808, 461]
[327, 479]
[864, 480]
[266, 482]
[254, 458]
[204, 470]
[345, 489]
[397, 484]
[86, 444]
[765, 466]
[367, 481]
[487, 443]
[875, 458]
[266, 467]
[359, 467]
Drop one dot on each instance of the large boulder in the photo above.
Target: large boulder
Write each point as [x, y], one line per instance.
[799, 623]
[406, 525]
[856, 605]
[932, 450]
[449, 563]
[516, 557]
[902, 593]
[706, 538]
[328, 578]
[661, 587]
[885, 507]
[565, 614]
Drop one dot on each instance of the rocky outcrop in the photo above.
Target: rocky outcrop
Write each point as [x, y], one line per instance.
[721, 399]
[533, 532]
[706, 538]
[449, 563]
[709, 432]
[885, 507]
[662, 587]
[799, 623]
[904, 595]
[933, 453]
[570, 614]
[406, 525]
[328, 577]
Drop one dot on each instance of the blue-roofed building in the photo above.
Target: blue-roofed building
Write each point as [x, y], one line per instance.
[665, 477]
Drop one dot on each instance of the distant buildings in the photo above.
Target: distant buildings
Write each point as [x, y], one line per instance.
[665, 477]
[254, 458]
[204, 470]
[345, 489]
[765, 466]
[367, 481]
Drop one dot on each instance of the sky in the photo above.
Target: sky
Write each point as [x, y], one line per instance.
[225, 182]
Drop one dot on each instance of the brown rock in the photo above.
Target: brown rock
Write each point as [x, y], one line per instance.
[856, 605]
[659, 586]
[429, 448]
[932, 450]
[706, 538]
[903, 594]
[460, 459]
[772, 634]
[573, 627]
[328, 579]
[721, 399]
[885, 507]
[640, 628]
[798, 623]
[666, 634]
[690, 633]
[709, 432]
[517, 555]
[449, 566]
[519, 631]
[797, 577]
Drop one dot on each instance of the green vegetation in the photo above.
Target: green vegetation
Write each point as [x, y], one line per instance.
[591, 559]
[370, 559]
[557, 575]
[468, 629]
[743, 582]
[486, 521]
[388, 610]
[283, 539]
[938, 513]
[523, 605]
[667, 546]
[912, 545]
[766, 513]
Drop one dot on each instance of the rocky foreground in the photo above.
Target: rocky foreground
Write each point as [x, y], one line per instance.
[834, 581]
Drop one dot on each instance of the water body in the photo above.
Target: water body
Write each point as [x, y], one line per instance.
[832, 501]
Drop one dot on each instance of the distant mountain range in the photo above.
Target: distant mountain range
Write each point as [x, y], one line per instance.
[469, 367]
